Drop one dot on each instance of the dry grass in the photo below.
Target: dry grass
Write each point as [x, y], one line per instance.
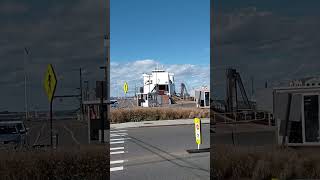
[243, 163]
[152, 114]
[80, 163]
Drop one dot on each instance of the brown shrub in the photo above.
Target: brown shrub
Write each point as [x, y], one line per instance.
[237, 162]
[83, 163]
[152, 114]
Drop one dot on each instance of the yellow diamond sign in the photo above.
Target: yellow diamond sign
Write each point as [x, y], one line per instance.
[125, 87]
[50, 82]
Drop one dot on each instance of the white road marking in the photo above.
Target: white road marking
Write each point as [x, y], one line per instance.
[118, 134]
[120, 168]
[72, 135]
[117, 162]
[117, 131]
[117, 152]
[121, 139]
[39, 134]
[117, 142]
[116, 148]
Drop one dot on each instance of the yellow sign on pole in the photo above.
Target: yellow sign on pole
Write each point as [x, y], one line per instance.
[125, 87]
[50, 82]
[197, 128]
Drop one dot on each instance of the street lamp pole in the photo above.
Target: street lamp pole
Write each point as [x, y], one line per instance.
[25, 84]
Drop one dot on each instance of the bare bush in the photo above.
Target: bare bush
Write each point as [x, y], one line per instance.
[230, 162]
[153, 114]
[82, 163]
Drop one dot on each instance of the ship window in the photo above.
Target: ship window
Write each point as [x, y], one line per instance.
[163, 87]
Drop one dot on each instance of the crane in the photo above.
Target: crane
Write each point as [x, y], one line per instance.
[234, 80]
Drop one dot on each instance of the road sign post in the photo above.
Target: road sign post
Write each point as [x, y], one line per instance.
[197, 129]
[102, 111]
[50, 83]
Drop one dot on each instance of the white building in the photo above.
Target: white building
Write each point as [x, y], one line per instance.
[297, 114]
[202, 97]
[163, 79]
[158, 88]
[311, 81]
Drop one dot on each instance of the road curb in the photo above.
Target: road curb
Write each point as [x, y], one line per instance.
[157, 123]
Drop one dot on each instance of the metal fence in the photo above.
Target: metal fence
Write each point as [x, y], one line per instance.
[243, 117]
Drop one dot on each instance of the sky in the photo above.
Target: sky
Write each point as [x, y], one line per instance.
[146, 33]
[67, 34]
[273, 41]
[269, 41]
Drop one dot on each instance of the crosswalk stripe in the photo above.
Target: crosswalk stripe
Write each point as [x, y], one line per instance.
[119, 134]
[116, 148]
[121, 139]
[120, 168]
[117, 152]
[117, 162]
[117, 142]
[120, 130]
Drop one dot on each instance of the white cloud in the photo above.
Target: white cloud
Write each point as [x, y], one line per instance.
[192, 75]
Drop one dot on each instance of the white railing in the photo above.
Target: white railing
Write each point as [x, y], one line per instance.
[243, 117]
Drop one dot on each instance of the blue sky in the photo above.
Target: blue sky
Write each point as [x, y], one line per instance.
[146, 33]
[168, 31]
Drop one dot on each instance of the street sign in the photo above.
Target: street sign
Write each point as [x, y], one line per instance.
[50, 82]
[125, 87]
[197, 128]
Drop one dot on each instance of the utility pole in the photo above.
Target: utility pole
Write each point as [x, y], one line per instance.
[252, 91]
[104, 92]
[25, 84]
[87, 90]
[81, 95]
[135, 90]
[102, 110]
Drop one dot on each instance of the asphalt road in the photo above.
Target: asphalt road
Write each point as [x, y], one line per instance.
[70, 132]
[244, 135]
[160, 153]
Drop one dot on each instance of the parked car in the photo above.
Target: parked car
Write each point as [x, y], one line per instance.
[114, 103]
[13, 132]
